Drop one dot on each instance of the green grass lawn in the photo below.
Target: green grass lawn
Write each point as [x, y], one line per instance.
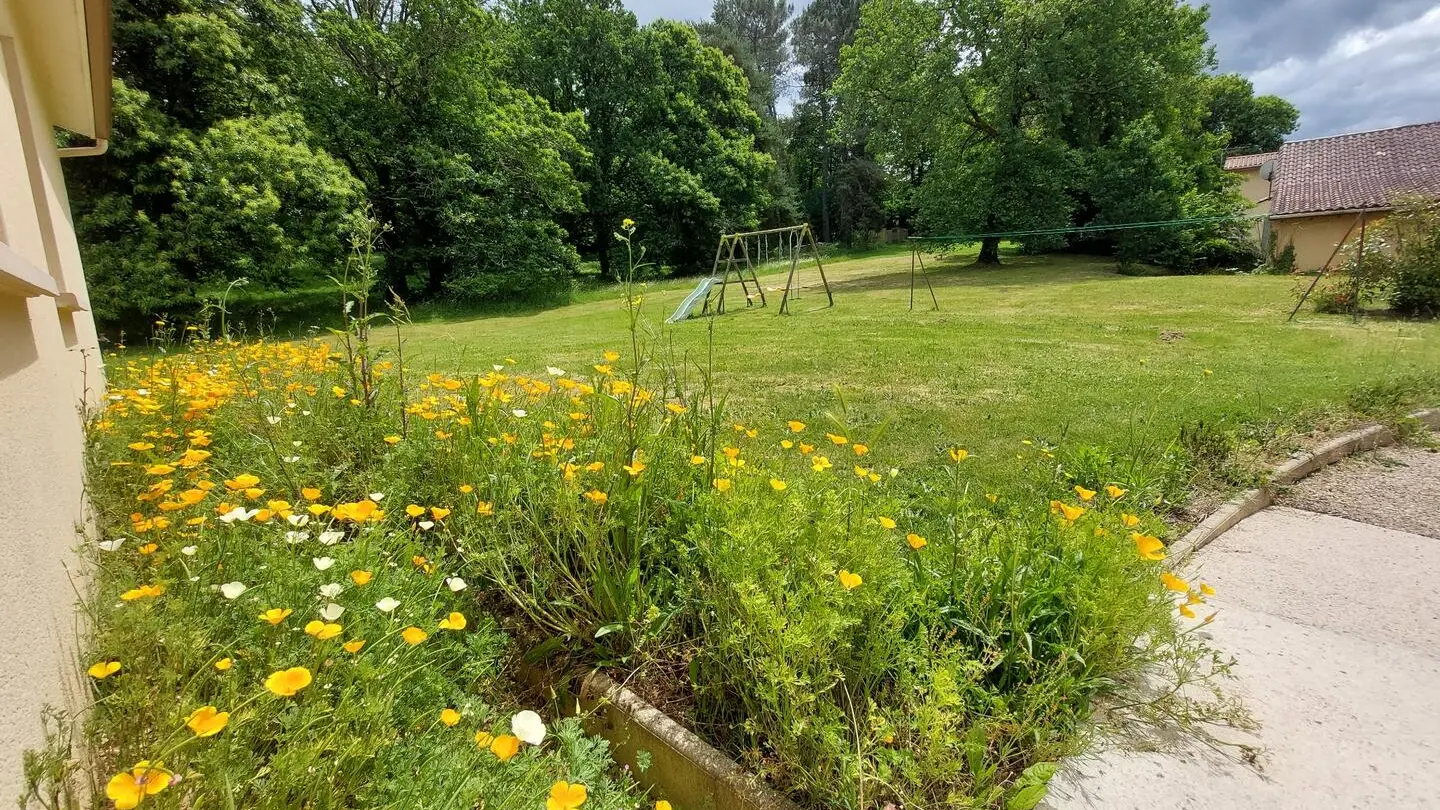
[1055, 347]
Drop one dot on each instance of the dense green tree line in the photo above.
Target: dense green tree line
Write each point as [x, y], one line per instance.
[501, 143]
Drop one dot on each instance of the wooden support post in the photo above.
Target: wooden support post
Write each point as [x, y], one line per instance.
[1323, 270]
[1359, 273]
[935, 302]
[814, 246]
[725, 280]
[751, 267]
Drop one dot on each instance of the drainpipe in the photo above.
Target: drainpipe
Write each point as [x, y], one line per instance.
[100, 147]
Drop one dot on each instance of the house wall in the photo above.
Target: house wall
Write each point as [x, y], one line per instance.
[1254, 189]
[1315, 237]
[48, 363]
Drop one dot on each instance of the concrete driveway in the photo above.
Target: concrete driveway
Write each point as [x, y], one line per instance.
[1336, 627]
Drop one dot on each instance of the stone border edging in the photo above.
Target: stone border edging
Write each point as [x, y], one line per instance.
[1292, 471]
[684, 768]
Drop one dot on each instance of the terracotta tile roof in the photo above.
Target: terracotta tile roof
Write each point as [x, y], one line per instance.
[1359, 171]
[1238, 162]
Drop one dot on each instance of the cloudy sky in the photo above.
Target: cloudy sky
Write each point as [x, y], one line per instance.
[1349, 65]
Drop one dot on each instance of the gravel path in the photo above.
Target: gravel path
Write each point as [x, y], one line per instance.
[1397, 488]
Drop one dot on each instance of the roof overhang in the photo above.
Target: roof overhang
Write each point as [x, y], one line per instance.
[1305, 214]
[67, 49]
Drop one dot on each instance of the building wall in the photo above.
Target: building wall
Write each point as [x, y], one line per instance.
[1254, 189]
[49, 363]
[1315, 237]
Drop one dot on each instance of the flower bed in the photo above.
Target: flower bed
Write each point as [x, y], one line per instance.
[854, 633]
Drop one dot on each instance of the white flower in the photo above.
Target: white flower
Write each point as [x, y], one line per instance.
[111, 545]
[377, 496]
[387, 604]
[189, 551]
[296, 538]
[291, 405]
[426, 525]
[322, 563]
[298, 520]
[331, 590]
[239, 513]
[304, 413]
[296, 444]
[232, 590]
[556, 372]
[455, 584]
[274, 420]
[290, 459]
[330, 538]
[528, 726]
[519, 413]
[498, 368]
[331, 612]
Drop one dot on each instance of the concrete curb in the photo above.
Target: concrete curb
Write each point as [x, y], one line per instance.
[1292, 471]
[683, 768]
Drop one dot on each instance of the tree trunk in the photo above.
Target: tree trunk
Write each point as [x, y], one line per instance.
[602, 245]
[989, 251]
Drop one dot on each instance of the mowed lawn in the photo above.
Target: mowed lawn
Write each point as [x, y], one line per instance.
[1060, 348]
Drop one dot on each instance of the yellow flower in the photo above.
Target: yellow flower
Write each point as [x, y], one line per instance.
[611, 356]
[505, 746]
[795, 426]
[675, 407]
[442, 435]
[239, 482]
[455, 621]
[991, 497]
[959, 454]
[287, 682]
[414, 510]
[1130, 521]
[806, 449]
[836, 439]
[317, 509]
[310, 494]
[1114, 491]
[483, 739]
[128, 789]
[595, 496]
[595, 466]
[1175, 583]
[786, 443]
[392, 440]
[413, 635]
[1187, 612]
[322, 631]
[148, 548]
[850, 581]
[722, 484]
[275, 615]
[820, 464]
[1206, 589]
[450, 718]
[439, 512]
[159, 469]
[466, 489]
[1071, 512]
[207, 721]
[1148, 546]
[885, 522]
[916, 541]
[103, 670]
[662, 805]
[355, 646]
[142, 592]
[860, 449]
[224, 664]
[778, 485]
[338, 391]
[141, 447]
[634, 468]
[485, 508]
[361, 578]
[697, 460]
[565, 796]
[602, 369]
[1085, 494]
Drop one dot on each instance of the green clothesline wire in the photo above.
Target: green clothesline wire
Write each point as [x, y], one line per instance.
[975, 237]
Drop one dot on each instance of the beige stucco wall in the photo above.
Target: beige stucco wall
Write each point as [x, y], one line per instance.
[1315, 237]
[48, 364]
[1254, 189]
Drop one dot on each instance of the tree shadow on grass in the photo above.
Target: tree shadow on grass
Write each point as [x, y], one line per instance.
[962, 271]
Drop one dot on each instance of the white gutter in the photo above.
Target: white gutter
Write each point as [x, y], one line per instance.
[100, 147]
[1330, 213]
